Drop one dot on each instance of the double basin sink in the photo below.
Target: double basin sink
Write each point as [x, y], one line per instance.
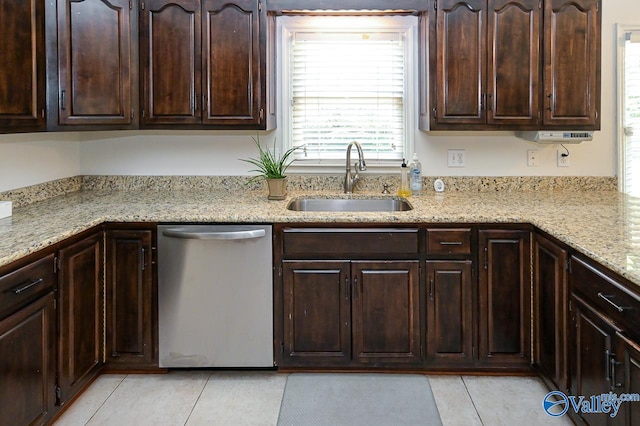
[349, 205]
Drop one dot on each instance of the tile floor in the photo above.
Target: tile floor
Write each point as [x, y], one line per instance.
[253, 398]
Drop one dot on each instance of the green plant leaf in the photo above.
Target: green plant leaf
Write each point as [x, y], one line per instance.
[269, 165]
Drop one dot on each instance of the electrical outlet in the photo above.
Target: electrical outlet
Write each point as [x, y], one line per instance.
[532, 158]
[455, 158]
[563, 158]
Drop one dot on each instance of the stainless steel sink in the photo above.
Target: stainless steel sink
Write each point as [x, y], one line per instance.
[349, 205]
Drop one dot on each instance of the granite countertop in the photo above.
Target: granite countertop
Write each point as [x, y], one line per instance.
[599, 224]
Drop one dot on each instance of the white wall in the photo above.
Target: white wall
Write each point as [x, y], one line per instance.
[28, 159]
[166, 153]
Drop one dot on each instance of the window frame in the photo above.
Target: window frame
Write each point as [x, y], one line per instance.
[286, 25]
[621, 30]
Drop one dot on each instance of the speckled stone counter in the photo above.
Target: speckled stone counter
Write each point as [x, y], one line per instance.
[600, 224]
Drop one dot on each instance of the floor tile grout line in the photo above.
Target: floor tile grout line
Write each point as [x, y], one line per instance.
[472, 401]
[106, 399]
[198, 399]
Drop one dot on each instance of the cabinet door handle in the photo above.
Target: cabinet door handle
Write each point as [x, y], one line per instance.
[63, 100]
[607, 299]
[346, 288]
[613, 364]
[26, 286]
[431, 289]
[490, 102]
[550, 107]
[355, 288]
[194, 101]
[144, 258]
[486, 258]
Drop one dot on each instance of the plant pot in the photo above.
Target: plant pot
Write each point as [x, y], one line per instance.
[277, 188]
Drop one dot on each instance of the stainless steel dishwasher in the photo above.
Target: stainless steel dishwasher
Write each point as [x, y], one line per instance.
[215, 296]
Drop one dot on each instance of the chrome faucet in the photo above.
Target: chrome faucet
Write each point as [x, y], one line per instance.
[350, 182]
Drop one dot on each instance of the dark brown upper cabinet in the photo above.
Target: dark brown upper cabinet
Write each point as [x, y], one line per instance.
[511, 64]
[97, 64]
[572, 63]
[170, 59]
[486, 63]
[22, 69]
[204, 64]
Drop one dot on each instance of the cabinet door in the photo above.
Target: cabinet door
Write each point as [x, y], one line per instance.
[28, 369]
[505, 297]
[232, 62]
[80, 314]
[449, 313]
[170, 42]
[591, 349]
[572, 63]
[550, 310]
[626, 374]
[386, 312]
[130, 301]
[461, 54]
[96, 62]
[513, 92]
[22, 74]
[317, 314]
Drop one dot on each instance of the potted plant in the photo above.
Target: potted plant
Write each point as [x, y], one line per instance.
[272, 167]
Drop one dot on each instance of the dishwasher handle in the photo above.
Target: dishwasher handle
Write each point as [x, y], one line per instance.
[214, 235]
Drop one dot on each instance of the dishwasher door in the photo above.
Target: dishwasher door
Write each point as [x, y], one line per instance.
[215, 296]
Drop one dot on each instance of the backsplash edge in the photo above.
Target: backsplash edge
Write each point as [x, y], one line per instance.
[372, 183]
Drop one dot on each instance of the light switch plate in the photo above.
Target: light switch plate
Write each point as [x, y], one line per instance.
[5, 209]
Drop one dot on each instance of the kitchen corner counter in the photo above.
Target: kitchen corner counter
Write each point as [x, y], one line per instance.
[600, 224]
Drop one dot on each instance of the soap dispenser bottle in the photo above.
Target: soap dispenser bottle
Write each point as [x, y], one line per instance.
[415, 173]
[404, 190]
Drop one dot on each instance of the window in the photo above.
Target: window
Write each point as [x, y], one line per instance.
[344, 79]
[629, 109]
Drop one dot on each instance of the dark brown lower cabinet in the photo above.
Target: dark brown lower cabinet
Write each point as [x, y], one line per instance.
[80, 314]
[604, 354]
[341, 313]
[27, 369]
[449, 313]
[591, 354]
[550, 310]
[504, 335]
[131, 311]
[385, 312]
[627, 376]
[317, 313]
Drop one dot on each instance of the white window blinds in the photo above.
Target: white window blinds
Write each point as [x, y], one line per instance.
[631, 112]
[345, 85]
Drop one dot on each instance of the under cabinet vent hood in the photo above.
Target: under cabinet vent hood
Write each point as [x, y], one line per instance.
[556, 136]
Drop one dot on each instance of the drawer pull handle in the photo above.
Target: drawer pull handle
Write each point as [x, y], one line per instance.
[609, 301]
[451, 243]
[26, 286]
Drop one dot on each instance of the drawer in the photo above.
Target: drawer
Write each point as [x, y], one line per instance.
[606, 294]
[25, 285]
[350, 242]
[449, 241]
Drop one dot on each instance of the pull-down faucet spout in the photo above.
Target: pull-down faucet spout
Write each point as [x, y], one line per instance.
[349, 181]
